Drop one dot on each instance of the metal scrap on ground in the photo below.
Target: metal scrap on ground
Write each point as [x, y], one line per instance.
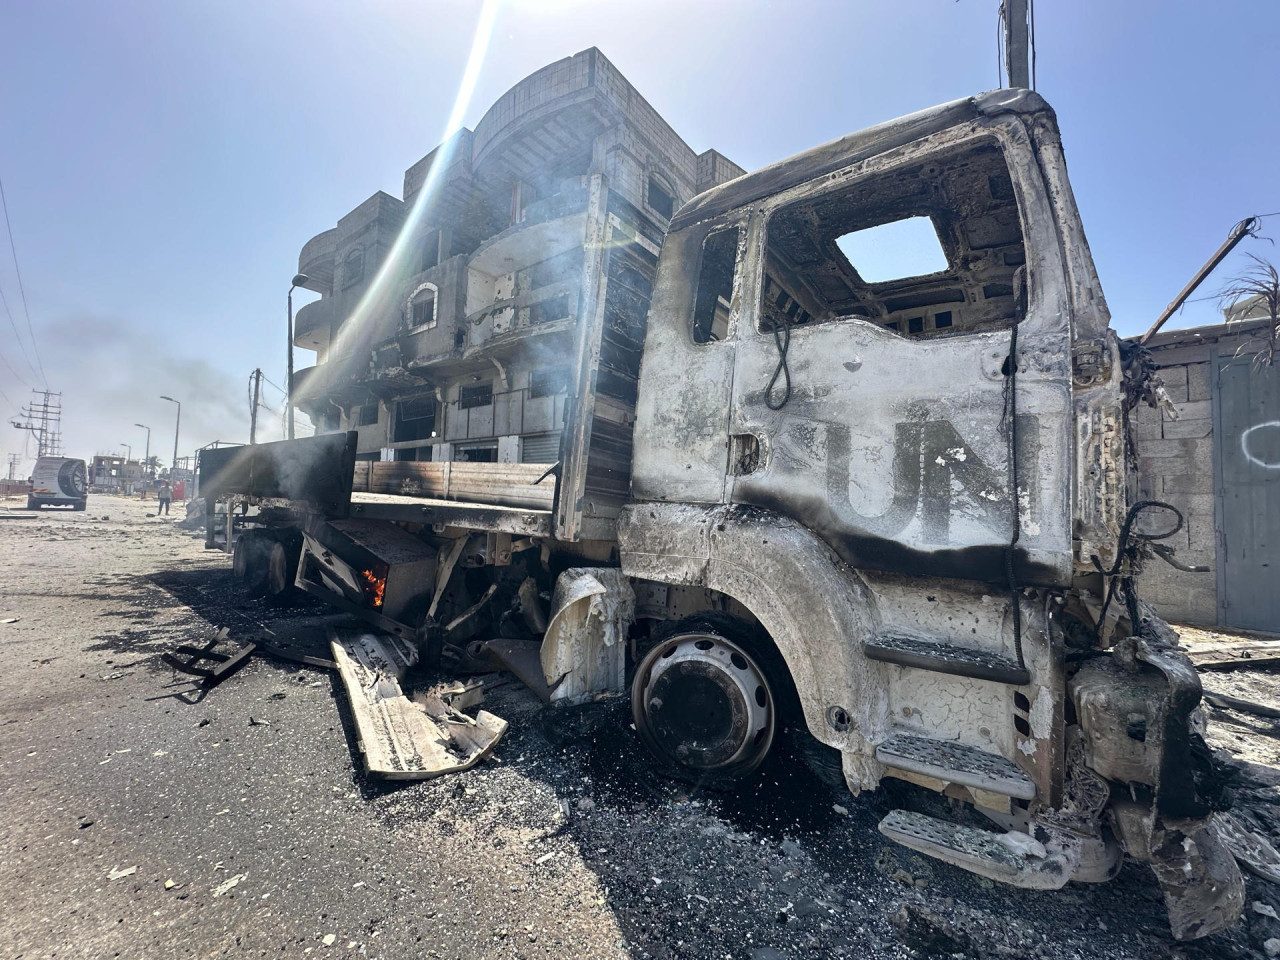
[402, 739]
[226, 663]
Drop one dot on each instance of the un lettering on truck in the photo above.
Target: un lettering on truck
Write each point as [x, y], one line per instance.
[58, 481]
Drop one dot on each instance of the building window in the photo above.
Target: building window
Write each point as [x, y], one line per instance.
[661, 199]
[368, 414]
[415, 420]
[522, 194]
[479, 395]
[431, 250]
[414, 453]
[485, 453]
[544, 311]
[422, 308]
[353, 267]
[547, 383]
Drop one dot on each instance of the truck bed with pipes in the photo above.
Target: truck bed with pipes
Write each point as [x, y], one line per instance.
[892, 511]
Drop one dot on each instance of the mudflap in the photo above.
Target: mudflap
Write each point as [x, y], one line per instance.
[1137, 709]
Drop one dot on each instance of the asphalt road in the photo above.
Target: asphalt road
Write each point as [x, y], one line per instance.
[139, 818]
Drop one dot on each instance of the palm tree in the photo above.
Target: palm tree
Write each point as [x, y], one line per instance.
[152, 464]
[1255, 295]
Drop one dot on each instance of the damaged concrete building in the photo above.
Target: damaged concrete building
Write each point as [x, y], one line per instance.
[448, 319]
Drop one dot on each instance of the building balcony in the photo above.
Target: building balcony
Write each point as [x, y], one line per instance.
[548, 310]
[313, 324]
[316, 261]
[341, 381]
[551, 226]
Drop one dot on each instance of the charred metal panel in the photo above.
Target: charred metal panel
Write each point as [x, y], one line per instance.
[856, 147]
[1098, 478]
[682, 415]
[576, 440]
[894, 449]
[979, 713]
[316, 470]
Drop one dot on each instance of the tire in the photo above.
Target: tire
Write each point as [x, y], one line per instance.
[282, 567]
[33, 503]
[240, 559]
[72, 480]
[709, 698]
[78, 505]
[249, 560]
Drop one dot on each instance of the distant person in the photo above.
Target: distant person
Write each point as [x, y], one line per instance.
[165, 496]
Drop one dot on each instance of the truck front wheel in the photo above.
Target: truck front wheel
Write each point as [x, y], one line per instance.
[703, 701]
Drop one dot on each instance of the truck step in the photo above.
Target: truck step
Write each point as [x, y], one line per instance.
[955, 763]
[945, 658]
[1016, 859]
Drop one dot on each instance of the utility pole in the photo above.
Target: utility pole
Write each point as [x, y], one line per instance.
[43, 417]
[177, 425]
[14, 460]
[146, 459]
[253, 413]
[1245, 228]
[1017, 43]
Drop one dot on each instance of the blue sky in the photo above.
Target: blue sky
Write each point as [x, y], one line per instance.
[165, 161]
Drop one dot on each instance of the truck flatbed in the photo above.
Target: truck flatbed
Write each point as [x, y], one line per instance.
[521, 521]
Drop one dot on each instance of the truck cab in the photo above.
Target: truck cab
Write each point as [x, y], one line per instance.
[915, 485]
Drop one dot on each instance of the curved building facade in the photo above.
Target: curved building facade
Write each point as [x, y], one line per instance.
[450, 318]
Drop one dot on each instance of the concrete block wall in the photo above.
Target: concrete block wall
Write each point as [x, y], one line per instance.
[1175, 464]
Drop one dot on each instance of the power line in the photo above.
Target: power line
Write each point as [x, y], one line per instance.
[280, 388]
[21, 289]
[13, 371]
[17, 336]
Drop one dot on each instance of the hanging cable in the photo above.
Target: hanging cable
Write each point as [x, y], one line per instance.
[782, 340]
[22, 290]
[277, 386]
[1031, 8]
[1124, 553]
[1000, 47]
[4, 301]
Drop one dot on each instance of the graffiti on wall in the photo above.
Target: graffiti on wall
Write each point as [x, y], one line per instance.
[1261, 444]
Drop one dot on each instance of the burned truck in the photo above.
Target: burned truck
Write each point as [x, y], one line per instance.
[896, 512]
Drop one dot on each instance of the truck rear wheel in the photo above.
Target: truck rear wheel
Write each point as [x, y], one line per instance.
[282, 567]
[704, 702]
[249, 560]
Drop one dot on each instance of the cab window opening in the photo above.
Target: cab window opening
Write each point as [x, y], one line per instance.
[929, 248]
[714, 300]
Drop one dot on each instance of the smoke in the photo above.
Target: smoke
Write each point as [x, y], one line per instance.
[112, 373]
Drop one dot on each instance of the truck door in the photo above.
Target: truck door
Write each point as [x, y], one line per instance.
[682, 436]
[872, 398]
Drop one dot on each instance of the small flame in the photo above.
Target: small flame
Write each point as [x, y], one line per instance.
[374, 587]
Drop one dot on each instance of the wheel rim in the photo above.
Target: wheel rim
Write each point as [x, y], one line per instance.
[702, 702]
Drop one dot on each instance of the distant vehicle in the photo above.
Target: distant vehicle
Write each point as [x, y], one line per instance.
[58, 482]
